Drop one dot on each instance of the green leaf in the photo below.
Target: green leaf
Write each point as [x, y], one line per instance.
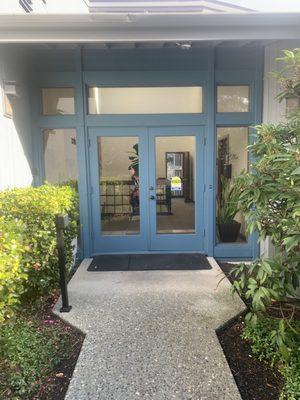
[296, 171]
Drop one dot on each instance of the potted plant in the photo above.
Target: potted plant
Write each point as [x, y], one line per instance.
[228, 207]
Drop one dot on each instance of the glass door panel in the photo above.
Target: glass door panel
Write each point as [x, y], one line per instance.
[119, 185]
[175, 202]
[176, 188]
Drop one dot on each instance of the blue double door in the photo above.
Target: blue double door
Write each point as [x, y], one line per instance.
[146, 188]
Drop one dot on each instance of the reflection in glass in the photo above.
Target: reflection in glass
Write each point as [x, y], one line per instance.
[119, 185]
[60, 157]
[175, 188]
[292, 104]
[233, 98]
[58, 101]
[232, 159]
[145, 100]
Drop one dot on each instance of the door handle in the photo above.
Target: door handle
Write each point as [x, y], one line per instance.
[151, 188]
[152, 197]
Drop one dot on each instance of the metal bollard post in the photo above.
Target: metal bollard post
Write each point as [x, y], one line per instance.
[61, 222]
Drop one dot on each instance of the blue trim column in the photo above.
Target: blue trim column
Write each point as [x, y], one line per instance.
[82, 158]
[210, 159]
[258, 109]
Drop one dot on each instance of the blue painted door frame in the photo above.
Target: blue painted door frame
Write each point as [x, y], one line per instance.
[224, 66]
[148, 239]
[118, 243]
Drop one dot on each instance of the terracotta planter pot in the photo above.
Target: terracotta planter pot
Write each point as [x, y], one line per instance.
[229, 232]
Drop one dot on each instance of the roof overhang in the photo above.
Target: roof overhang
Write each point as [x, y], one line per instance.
[121, 27]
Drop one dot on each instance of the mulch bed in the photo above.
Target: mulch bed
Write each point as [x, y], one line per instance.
[57, 384]
[255, 379]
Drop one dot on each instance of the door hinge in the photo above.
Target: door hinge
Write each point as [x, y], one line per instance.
[92, 234]
[204, 232]
[204, 141]
[91, 190]
[89, 142]
[204, 187]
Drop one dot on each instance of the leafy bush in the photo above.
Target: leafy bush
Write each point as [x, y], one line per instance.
[270, 201]
[12, 272]
[262, 336]
[35, 209]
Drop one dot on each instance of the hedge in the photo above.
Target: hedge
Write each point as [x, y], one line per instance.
[12, 274]
[28, 255]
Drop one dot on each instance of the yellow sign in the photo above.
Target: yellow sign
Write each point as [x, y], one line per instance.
[176, 183]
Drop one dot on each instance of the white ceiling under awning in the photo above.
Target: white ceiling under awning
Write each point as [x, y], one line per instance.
[120, 27]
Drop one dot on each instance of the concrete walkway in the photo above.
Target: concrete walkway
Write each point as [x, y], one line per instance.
[151, 335]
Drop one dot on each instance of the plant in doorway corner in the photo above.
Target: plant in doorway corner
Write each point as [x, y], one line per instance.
[228, 207]
[134, 160]
[134, 170]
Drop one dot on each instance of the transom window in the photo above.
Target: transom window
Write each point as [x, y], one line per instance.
[145, 100]
[233, 98]
[58, 101]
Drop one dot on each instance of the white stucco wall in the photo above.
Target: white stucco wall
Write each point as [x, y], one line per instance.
[15, 132]
[273, 111]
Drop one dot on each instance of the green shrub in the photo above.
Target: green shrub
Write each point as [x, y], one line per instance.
[291, 373]
[28, 354]
[12, 271]
[270, 201]
[36, 208]
[262, 336]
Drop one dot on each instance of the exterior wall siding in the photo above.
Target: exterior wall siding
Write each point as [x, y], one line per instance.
[15, 132]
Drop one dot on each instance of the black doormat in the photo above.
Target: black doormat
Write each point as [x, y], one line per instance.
[144, 262]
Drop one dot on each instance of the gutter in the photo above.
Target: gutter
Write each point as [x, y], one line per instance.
[124, 27]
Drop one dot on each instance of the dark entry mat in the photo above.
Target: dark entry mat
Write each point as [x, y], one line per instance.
[142, 262]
